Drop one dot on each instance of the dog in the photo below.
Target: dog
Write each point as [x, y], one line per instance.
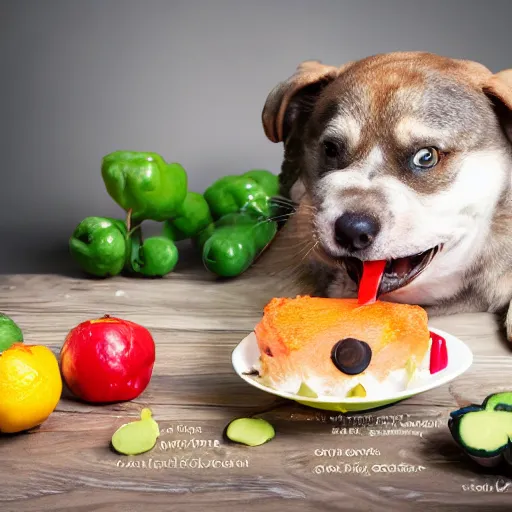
[404, 157]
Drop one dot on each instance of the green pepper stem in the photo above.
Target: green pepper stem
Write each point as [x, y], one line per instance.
[130, 233]
[136, 242]
[129, 220]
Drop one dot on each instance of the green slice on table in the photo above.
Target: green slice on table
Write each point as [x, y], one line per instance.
[138, 436]
[250, 431]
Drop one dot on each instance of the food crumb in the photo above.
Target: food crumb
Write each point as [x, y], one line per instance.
[120, 293]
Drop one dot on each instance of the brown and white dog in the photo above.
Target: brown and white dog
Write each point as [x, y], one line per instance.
[405, 157]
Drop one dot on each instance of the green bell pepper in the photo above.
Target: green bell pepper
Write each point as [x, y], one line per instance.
[266, 179]
[192, 217]
[153, 257]
[144, 185]
[251, 191]
[234, 243]
[98, 245]
[10, 332]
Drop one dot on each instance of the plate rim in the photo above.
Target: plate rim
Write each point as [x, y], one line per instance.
[407, 393]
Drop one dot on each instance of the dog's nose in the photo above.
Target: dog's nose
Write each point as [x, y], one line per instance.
[356, 231]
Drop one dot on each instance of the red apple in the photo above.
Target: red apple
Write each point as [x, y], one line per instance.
[107, 360]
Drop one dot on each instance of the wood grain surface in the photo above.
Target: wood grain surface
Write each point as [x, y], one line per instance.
[399, 458]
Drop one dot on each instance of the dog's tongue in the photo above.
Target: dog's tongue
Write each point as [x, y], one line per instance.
[370, 281]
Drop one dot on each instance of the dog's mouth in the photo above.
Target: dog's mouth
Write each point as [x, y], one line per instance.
[397, 272]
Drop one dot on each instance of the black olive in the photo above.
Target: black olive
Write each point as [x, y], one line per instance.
[351, 356]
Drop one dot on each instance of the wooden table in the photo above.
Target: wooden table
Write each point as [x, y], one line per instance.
[398, 458]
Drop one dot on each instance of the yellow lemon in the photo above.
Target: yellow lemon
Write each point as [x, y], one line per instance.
[30, 386]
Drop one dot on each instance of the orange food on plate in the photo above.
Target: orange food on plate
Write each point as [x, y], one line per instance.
[338, 347]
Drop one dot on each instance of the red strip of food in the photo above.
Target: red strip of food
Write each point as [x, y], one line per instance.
[370, 281]
[438, 354]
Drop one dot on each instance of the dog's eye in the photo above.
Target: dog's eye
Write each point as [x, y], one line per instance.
[331, 149]
[426, 158]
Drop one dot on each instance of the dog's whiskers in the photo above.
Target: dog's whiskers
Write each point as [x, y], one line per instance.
[292, 249]
[272, 219]
[282, 200]
[313, 247]
[292, 204]
[306, 247]
[282, 216]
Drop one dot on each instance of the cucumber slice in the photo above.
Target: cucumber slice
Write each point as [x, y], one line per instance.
[499, 402]
[485, 433]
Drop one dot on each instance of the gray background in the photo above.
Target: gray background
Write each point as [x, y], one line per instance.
[187, 79]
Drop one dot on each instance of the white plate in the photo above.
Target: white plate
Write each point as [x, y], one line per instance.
[460, 358]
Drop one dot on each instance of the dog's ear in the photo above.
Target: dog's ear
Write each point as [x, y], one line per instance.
[498, 88]
[288, 98]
